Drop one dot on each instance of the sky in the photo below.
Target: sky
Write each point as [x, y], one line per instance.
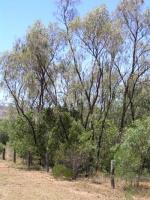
[16, 16]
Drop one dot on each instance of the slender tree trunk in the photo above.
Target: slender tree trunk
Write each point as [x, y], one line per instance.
[40, 162]
[47, 161]
[14, 156]
[99, 145]
[4, 154]
[124, 109]
[20, 109]
[132, 110]
[101, 135]
[112, 171]
[29, 160]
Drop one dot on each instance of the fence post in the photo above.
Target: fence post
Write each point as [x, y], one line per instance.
[112, 172]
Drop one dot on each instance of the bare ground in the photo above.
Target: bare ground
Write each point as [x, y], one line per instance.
[18, 184]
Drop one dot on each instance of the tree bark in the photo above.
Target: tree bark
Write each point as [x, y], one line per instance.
[29, 160]
[47, 161]
[112, 174]
[14, 156]
[4, 154]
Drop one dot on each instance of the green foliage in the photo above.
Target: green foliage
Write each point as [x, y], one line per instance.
[71, 144]
[134, 152]
[107, 142]
[61, 171]
[20, 136]
[4, 132]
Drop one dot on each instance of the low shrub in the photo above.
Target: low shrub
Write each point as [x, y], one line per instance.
[61, 171]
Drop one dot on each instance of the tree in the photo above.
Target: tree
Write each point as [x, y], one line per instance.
[133, 62]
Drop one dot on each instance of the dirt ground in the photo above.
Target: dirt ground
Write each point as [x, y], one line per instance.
[16, 184]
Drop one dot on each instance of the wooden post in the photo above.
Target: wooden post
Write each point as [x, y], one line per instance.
[47, 161]
[112, 172]
[14, 156]
[3, 155]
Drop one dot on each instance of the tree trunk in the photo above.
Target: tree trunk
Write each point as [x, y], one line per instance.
[112, 171]
[29, 160]
[4, 154]
[47, 161]
[132, 110]
[14, 156]
[101, 135]
[124, 110]
[40, 162]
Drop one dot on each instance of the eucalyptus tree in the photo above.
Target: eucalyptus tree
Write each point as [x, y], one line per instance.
[133, 63]
[93, 44]
[100, 42]
[29, 74]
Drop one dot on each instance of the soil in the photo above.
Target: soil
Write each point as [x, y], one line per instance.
[19, 184]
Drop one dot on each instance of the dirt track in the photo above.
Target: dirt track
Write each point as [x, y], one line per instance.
[18, 184]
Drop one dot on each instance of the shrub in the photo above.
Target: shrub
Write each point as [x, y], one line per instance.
[62, 171]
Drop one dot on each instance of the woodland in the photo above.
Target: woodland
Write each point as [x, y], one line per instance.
[79, 92]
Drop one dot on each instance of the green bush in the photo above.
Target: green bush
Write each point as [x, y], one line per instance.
[133, 156]
[61, 171]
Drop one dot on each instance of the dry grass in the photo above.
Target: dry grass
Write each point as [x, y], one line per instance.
[18, 184]
[140, 193]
